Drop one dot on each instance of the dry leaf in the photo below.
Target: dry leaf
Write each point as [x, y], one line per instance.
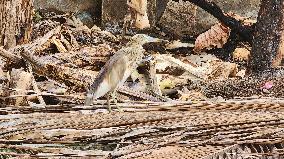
[142, 21]
[220, 70]
[241, 54]
[139, 8]
[216, 36]
[241, 73]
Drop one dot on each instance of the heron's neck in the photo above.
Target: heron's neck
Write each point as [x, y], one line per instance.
[134, 44]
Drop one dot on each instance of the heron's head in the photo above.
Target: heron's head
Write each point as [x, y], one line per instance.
[143, 39]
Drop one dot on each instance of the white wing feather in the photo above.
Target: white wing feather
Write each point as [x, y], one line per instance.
[102, 90]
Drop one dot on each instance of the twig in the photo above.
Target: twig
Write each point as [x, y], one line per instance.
[190, 69]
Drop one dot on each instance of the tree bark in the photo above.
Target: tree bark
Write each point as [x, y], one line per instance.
[268, 39]
[15, 22]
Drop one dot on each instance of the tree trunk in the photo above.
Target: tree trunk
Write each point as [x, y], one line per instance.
[15, 22]
[268, 40]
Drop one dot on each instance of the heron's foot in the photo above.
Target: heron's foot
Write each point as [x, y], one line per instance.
[119, 109]
[113, 96]
[109, 108]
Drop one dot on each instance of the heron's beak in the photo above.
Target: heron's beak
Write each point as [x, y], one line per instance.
[151, 39]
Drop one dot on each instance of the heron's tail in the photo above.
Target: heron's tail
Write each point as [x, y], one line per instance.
[89, 99]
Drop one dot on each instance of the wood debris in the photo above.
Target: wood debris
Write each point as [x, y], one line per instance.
[176, 105]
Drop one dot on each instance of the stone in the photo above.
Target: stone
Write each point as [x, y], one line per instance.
[86, 18]
[179, 18]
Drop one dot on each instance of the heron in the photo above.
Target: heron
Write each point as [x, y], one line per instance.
[118, 68]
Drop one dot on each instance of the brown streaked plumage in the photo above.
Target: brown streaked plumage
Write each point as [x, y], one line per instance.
[118, 68]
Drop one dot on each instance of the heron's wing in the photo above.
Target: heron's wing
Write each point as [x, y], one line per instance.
[120, 71]
[109, 76]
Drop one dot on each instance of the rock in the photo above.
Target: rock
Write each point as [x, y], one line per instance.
[178, 18]
[86, 18]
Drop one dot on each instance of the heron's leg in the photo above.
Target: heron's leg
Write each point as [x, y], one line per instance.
[153, 81]
[89, 99]
[108, 102]
[113, 96]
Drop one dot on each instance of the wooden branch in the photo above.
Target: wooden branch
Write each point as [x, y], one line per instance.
[244, 31]
[37, 44]
[70, 76]
[8, 55]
